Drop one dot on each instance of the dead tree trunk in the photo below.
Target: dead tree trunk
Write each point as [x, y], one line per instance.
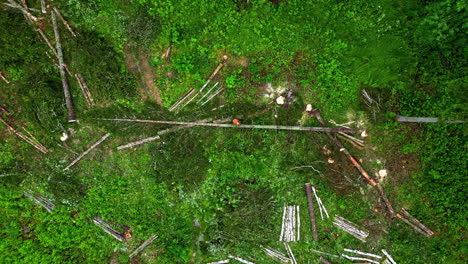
[308, 188]
[66, 89]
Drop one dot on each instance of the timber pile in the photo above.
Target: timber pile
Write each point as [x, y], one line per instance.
[291, 224]
[414, 223]
[143, 246]
[40, 200]
[350, 228]
[192, 93]
[106, 225]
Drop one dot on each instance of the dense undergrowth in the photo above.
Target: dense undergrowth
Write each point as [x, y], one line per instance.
[209, 193]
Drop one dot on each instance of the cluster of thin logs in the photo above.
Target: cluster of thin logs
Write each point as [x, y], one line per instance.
[389, 259]
[192, 93]
[29, 139]
[4, 78]
[143, 246]
[290, 253]
[291, 224]
[87, 151]
[360, 253]
[350, 228]
[111, 230]
[84, 88]
[210, 94]
[414, 223]
[241, 260]
[40, 200]
[276, 255]
[320, 204]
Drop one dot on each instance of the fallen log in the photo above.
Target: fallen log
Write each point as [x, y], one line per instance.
[415, 227]
[350, 228]
[276, 255]
[356, 258]
[308, 188]
[386, 201]
[66, 89]
[143, 246]
[324, 253]
[241, 260]
[64, 22]
[104, 225]
[389, 257]
[23, 9]
[87, 151]
[363, 253]
[40, 200]
[272, 127]
[47, 41]
[290, 253]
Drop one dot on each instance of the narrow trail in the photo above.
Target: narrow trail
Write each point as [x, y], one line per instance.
[142, 69]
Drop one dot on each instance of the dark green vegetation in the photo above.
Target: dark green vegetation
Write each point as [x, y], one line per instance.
[212, 192]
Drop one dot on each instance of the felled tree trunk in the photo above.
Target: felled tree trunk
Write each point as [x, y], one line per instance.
[308, 188]
[66, 89]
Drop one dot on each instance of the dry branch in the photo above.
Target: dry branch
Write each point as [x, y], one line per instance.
[84, 88]
[32, 141]
[47, 41]
[66, 89]
[143, 246]
[40, 200]
[384, 197]
[87, 151]
[4, 78]
[64, 22]
[273, 127]
[311, 210]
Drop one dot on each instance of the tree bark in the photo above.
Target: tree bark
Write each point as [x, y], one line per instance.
[311, 210]
[66, 89]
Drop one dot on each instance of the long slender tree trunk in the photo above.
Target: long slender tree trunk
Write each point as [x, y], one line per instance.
[66, 89]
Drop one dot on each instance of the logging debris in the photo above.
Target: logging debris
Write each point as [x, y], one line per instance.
[350, 228]
[276, 255]
[241, 260]
[40, 200]
[29, 139]
[290, 253]
[144, 245]
[111, 228]
[87, 151]
[291, 224]
[414, 223]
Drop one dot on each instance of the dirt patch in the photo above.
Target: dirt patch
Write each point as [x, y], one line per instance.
[140, 67]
